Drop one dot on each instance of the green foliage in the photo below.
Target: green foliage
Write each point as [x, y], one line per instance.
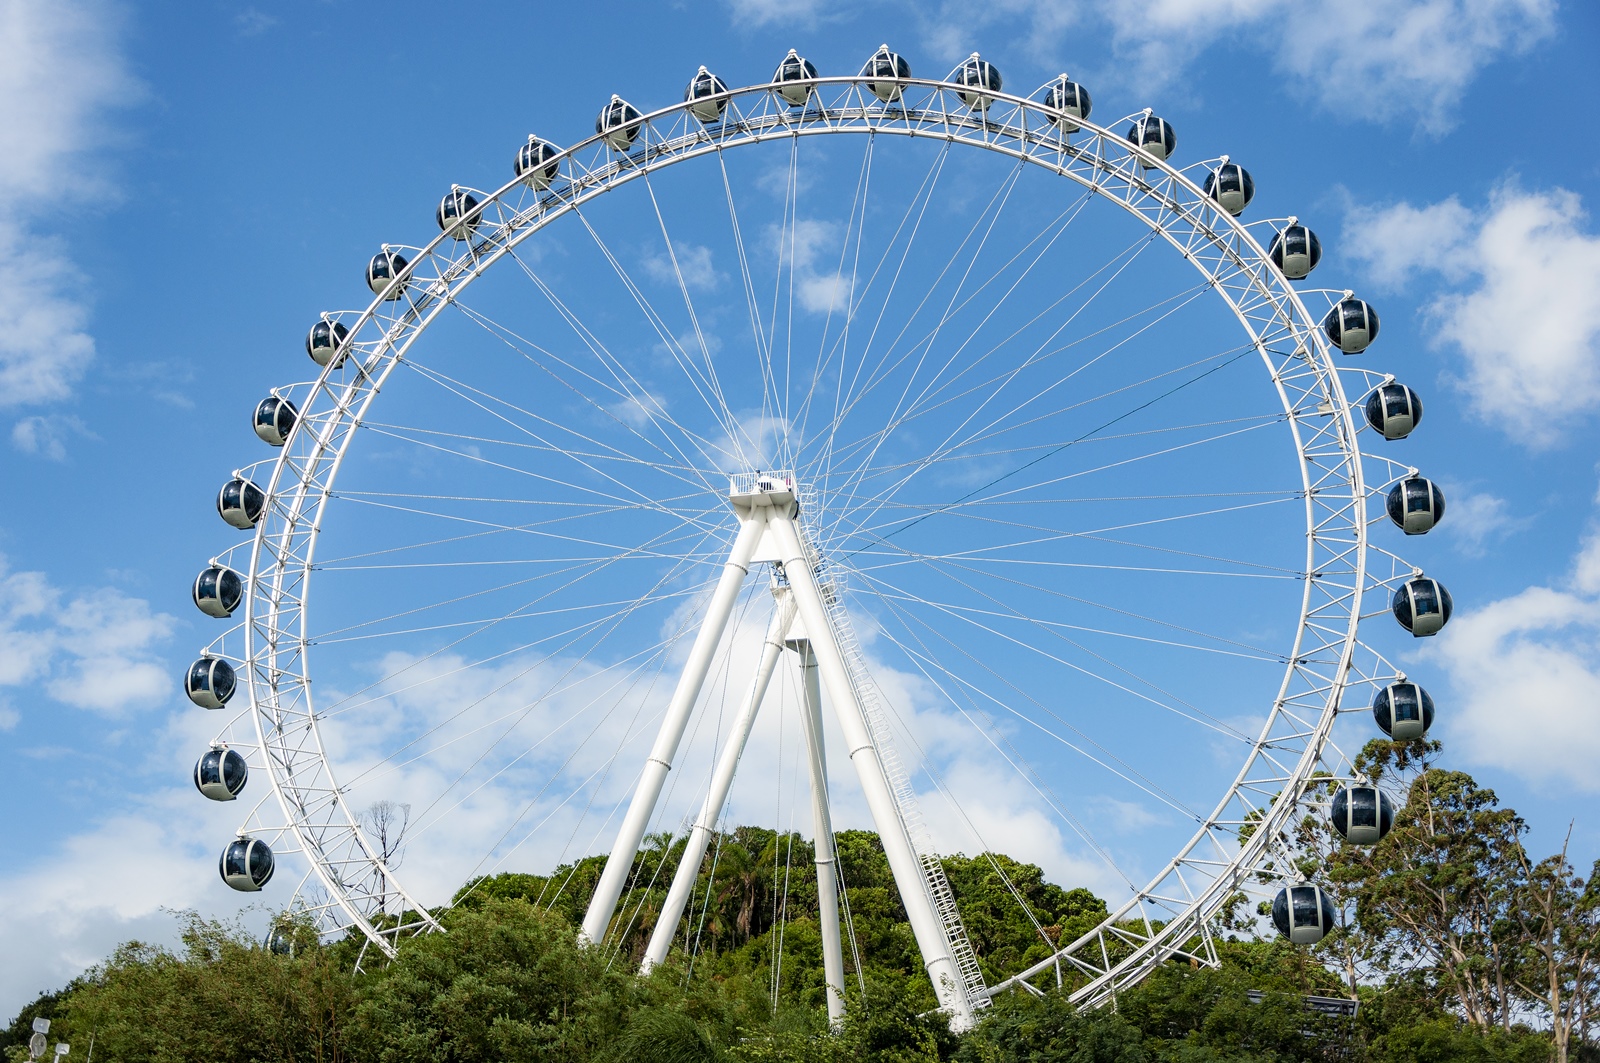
[1450, 932]
[224, 999]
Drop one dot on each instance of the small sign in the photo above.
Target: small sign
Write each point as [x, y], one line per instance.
[62, 1048]
[36, 1045]
[41, 1025]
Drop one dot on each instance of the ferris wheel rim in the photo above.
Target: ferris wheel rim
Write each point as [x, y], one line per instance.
[373, 366]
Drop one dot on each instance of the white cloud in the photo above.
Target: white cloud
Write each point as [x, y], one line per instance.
[47, 435]
[757, 13]
[1587, 569]
[1475, 519]
[64, 916]
[89, 650]
[44, 343]
[1526, 670]
[693, 262]
[1399, 242]
[1406, 58]
[1525, 309]
[811, 248]
[60, 71]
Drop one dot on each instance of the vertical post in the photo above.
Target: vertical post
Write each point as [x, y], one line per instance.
[822, 834]
[904, 863]
[722, 779]
[648, 790]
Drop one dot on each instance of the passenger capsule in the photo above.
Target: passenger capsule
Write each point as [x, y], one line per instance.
[280, 941]
[241, 503]
[458, 214]
[1422, 606]
[1068, 103]
[210, 682]
[1232, 187]
[619, 123]
[884, 71]
[324, 340]
[705, 96]
[1403, 711]
[536, 163]
[1394, 410]
[221, 773]
[1415, 505]
[979, 81]
[1352, 325]
[1362, 814]
[246, 864]
[218, 591]
[1303, 914]
[794, 78]
[1296, 251]
[383, 273]
[1154, 135]
[274, 420]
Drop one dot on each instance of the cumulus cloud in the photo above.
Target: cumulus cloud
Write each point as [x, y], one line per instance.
[811, 249]
[1478, 518]
[1534, 655]
[47, 435]
[1523, 307]
[60, 72]
[63, 916]
[693, 262]
[1404, 59]
[92, 651]
[758, 13]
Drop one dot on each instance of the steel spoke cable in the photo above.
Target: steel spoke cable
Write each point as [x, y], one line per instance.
[1251, 651]
[702, 384]
[616, 620]
[999, 427]
[653, 410]
[521, 345]
[917, 205]
[1060, 447]
[1106, 353]
[1056, 629]
[927, 660]
[1122, 770]
[342, 705]
[925, 344]
[1052, 536]
[735, 428]
[459, 389]
[997, 204]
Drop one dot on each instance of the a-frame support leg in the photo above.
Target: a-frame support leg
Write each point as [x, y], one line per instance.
[822, 833]
[722, 779]
[604, 901]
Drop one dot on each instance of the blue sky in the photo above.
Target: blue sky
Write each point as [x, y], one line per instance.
[182, 189]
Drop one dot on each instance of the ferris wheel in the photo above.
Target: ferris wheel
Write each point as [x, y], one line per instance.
[957, 466]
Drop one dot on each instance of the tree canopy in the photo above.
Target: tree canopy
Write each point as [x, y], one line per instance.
[1457, 943]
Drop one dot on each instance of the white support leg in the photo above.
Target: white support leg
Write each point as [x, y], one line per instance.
[604, 901]
[903, 863]
[722, 779]
[822, 833]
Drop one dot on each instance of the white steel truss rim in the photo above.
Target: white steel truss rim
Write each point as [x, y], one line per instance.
[269, 640]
